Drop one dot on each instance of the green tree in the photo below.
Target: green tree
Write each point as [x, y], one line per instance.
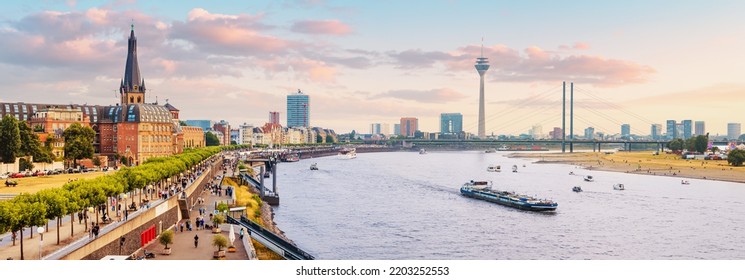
[319, 139]
[56, 202]
[701, 143]
[690, 144]
[714, 149]
[211, 139]
[24, 164]
[182, 123]
[31, 145]
[97, 162]
[166, 238]
[352, 135]
[741, 138]
[78, 142]
[676, 144]
[329, 139]
[736, 157]
[219, 241]
[10, 138]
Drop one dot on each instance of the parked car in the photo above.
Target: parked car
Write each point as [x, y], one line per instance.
[39, 173]
[17, 175]
[4, 175]
[58, 171]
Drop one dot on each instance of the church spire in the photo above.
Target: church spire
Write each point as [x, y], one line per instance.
[133, 85]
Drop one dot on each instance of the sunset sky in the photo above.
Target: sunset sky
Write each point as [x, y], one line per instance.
[362, 62]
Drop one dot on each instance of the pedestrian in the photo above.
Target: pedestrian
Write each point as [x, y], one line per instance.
[126, 214]
[80, 217]
[241, 234]
[196, 240]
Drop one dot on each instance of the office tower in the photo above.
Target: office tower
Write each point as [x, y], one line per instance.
[556, 133]
[482, 64]
[298, 110]
[733, 131]
[700, 128]
[687, 129]
[671, 130]
[374, 128]
[656, 131]
[625, 130]
[396, 129]
[590, 133]
[409, 126]
[274, 117]
[451, 123]
[536, 131]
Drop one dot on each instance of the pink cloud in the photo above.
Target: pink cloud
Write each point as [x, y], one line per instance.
[441, 95]
[328, 27]
[576, 46]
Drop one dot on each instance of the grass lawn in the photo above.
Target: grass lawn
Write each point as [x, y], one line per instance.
[35, 184]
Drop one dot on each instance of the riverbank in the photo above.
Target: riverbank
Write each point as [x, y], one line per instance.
[644, 163]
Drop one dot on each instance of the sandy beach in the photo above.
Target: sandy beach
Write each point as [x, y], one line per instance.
[645, 163]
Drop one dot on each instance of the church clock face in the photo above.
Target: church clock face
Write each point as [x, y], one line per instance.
[135, 87]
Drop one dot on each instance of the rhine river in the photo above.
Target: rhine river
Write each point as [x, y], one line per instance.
[403, 205]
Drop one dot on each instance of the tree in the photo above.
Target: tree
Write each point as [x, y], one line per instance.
[10, 139]
[329, 139]
[31, 145]
[701, 143]
[211, 139]
[78, 142]
[166, 238]
[219, 241]
[714, 149]
[182, 123]
[736, 157]
[97, 162]
[25, 164]
[676, 144]
[352, 134]
[690, 144]
[741, 138]
[319, 139]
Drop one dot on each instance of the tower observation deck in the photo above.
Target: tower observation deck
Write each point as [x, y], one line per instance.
[482, 64]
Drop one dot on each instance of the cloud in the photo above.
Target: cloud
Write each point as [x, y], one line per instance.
[325, 27]
[577, 46]
[533, 64]
[442, 95]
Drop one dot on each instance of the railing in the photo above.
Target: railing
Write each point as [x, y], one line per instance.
[272, 240]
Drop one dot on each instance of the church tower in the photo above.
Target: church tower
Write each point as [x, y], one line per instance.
[132, 89]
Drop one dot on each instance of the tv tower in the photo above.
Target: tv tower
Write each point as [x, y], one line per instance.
[482, 64]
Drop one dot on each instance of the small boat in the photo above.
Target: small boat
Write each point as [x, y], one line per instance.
[494, 168]
[314, 166]
[514, 168]
[482, 190]
[523, 165]
[267, 174]
[685, 182]
[571, 172]
[589, 178]
[489, 151]
[577, 189]
[291, 158]
[422, 151]
[619, 187]
[503, 148]
[348, 153]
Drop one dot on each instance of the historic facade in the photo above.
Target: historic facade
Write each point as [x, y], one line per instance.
[130, 132]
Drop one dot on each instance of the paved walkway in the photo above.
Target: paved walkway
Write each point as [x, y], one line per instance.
[183, 241]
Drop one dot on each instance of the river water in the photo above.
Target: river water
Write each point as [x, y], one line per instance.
[403, 205]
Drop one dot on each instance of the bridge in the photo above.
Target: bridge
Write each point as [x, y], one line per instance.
[271, 240]
[269, 196]
[597, 145]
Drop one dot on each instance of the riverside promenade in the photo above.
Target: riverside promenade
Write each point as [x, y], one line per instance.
[78, 235]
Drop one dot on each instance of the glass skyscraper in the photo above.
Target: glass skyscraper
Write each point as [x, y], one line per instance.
[298, 110]
[687, 129]
[451, 123]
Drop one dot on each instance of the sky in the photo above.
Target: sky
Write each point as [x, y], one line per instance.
[363, 62]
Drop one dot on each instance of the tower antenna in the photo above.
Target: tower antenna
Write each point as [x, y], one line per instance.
[482, 46]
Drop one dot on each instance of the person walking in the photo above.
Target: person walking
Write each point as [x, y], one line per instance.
[196, 240]
[241, 234]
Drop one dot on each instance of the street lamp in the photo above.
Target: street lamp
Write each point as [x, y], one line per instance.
[40, 230]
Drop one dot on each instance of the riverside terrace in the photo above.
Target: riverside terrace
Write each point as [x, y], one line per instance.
[161, 214]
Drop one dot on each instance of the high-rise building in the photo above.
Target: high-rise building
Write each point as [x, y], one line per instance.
[590, 133]
[204, 124]
[396, 129]
[482, 64]
[298, 110]
[625, 130]
[536, 131]
[374, 128]
[409, 126]
[700, 128]
[671, 130]
[274, 117]
[656, 131]
[733, 131]
[451, 123]
[556, 134]
[687, 129]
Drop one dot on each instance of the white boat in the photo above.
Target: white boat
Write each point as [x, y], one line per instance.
[589, 178]
[514, 168]
[503, 148]
[685, 182]
[489, 151]
[577, 189]
[348, 153]
[422, 151]
[494, 168]
[314, 166]
[619, 187]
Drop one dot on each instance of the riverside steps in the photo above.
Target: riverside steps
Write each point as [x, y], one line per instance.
[271, 240]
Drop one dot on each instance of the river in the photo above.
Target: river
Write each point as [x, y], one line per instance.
[403, 205]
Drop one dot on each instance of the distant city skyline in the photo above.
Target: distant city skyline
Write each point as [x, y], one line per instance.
[638, 62]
